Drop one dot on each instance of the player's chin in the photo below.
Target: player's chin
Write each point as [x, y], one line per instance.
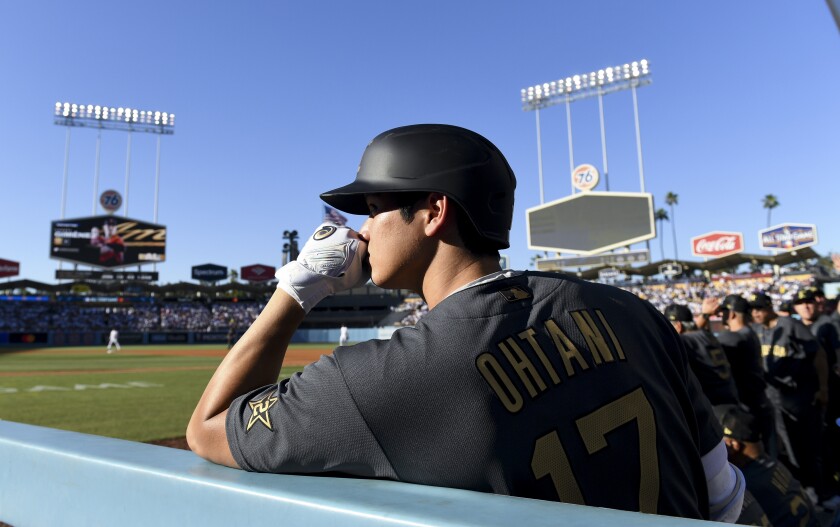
[381, 278]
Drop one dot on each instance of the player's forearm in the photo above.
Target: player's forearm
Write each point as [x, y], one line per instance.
[255, 360]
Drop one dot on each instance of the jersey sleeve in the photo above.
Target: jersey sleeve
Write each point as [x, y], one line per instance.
[829, 339]
[306, 424]
[708, 427]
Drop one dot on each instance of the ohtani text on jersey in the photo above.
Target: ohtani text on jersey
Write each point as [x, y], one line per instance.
[520, 350]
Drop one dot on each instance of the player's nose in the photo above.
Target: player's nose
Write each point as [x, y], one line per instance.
[364, 231]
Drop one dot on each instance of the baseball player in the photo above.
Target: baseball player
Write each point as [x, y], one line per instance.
[705, 355]
[113, 340]
[806, 306]
[231, 334]
[797, 378]
[521, 383]
[771, 484]
[752, 513]
[342, 336]
[811, 314]
[743, 351]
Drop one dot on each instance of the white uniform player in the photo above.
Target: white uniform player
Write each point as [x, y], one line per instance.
[113, 340]
[342, 337]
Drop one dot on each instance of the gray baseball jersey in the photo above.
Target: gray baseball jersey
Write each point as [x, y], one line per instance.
[779, 494]
[788, 349]
[534, 385]
[743, 350]
[710, 365]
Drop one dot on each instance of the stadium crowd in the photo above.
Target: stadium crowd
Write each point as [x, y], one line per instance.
[687, 292]
[167, 316]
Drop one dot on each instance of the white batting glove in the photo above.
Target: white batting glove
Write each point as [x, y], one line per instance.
[330, 261]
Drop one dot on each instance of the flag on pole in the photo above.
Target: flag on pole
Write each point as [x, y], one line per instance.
[331, 214]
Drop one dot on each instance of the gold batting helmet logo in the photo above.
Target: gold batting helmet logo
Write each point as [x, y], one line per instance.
[324, 232]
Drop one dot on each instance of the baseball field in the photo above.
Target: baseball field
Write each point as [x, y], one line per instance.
[141, 393]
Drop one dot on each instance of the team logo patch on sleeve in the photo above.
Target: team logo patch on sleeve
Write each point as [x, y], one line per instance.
[259, 411]
[515, 294]
[324, 232]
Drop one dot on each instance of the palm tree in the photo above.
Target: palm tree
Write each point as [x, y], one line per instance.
[661, 215]
[233, 274]
[769, 202]
[672, 199]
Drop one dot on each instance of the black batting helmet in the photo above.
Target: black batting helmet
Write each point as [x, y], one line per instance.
[451, 160]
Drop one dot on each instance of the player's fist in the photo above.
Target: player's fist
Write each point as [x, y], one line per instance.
[710, 306]
[332, 260]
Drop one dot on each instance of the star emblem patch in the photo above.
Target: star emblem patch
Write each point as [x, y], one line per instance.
[259, 411]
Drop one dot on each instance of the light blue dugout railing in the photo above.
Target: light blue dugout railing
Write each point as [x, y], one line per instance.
[52, 477]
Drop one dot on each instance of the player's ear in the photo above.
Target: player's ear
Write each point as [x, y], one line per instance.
[438, 213]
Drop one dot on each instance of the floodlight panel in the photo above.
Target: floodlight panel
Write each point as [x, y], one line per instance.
[67, 113]
[592, 80]
[591, 222]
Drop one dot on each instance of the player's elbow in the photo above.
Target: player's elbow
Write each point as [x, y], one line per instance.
[207, 439]
[197, 437]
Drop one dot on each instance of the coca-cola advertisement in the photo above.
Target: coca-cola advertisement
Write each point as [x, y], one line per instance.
[717, 244]
[257, 273]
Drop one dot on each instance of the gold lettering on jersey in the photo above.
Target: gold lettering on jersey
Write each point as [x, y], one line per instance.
[594, 339]
[523, 366]
[565, 348]
[529, 336]
[616, 345]
[512, 371]
[493, 373]
[776, 350]
[259, 411]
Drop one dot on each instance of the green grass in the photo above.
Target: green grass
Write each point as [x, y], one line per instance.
[157, 406]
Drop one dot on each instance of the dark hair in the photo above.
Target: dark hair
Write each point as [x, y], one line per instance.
[473, 241]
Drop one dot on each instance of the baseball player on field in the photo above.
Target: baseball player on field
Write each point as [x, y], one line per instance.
[522, 383]
[113, 340]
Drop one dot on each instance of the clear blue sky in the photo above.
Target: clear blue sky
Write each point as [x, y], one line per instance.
[275, 102]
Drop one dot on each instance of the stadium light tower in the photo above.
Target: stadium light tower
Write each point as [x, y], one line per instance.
[110, 118]
[291, 248]
[594, 84]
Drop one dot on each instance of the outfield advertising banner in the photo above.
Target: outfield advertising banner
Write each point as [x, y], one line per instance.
[28, 338]
[717, 244]
[788, 237]
[106, 275]
[209, 272]
[214, 337]
[169, 338]
[9, 268]
[107, 241]
[257, 273]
